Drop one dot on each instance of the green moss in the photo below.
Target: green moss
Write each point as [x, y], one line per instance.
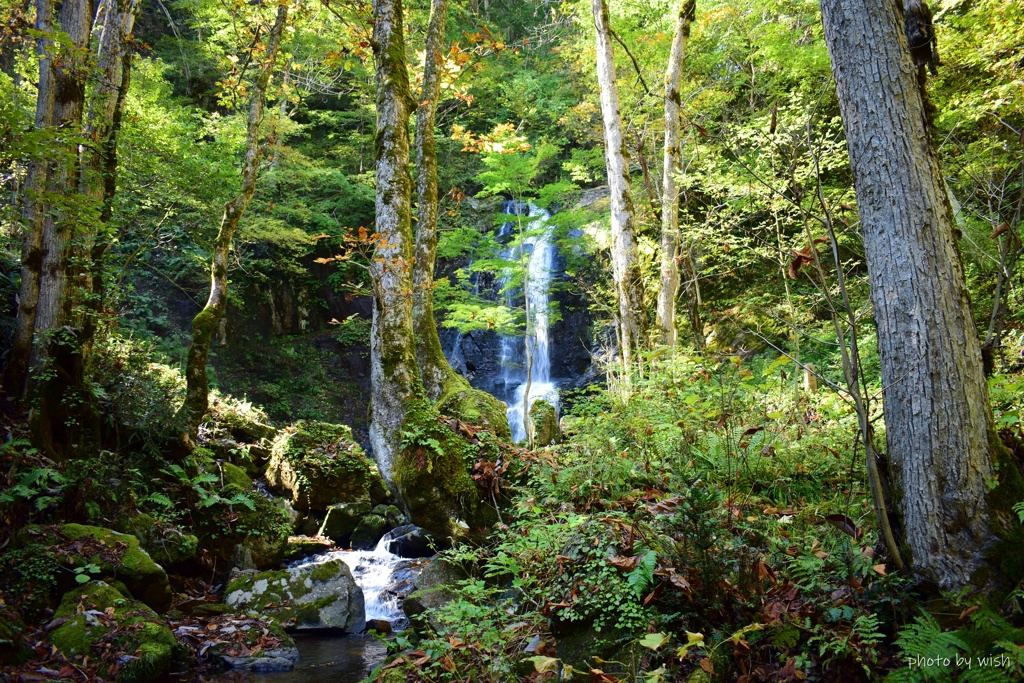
[475, 407]
[326, 571]
[234, 474]
[431, 471]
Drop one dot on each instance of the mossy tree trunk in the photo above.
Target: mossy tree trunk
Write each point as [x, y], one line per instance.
[206, 321]
[625, 268]
[394, 375]
[666, 321]
[17, 370]
[953, 481]
[436, 373]
[451, 392]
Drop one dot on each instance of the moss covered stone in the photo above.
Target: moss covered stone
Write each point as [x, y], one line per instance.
[233, 474]
[301, 547]
[315, 464]
[431, 471]
[96, 609]
[370, 529]
[311, 596]
[119, 556]
[165, 543]
[544, 423]
[475, 407]
[342, 520]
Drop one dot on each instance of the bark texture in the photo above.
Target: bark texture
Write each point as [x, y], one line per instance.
[670, 191]
[16, 372]
[207, 320]
[393, 372]
[625, 270]
[941, 439]
[450, 391]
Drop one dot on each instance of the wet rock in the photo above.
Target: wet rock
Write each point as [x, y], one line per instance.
[544, 423]
[96, 610]
[310, 596]
[368, 532]
[281, 659]
[411, 541]
[379, 625]
[301, 547]
[342, 520]
[127, 563]
[315, 464]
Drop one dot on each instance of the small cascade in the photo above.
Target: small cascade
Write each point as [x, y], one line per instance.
[385, 579]
[514, 349]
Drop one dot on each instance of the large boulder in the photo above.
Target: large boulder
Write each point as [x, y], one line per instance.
[410, 541]
[433, 588]
[342, 520]
[105, 554]
[312, 596]
[97, 612]
[315, 464]
[476, 407]
[544, 423]
[368, 532]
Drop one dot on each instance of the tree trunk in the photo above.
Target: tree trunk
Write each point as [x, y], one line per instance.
[394, 377]
[625, 271]
[435, 371]
[16, 372]
[670, 191]
[207, 320]
[942, 443]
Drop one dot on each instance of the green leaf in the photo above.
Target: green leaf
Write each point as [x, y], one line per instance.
[654, 641]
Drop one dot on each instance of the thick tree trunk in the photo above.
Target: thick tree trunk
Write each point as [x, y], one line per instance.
[435, 371]
[941, 439]
[625, 271]
[670, 191]
[16, 372]
[394, 377]
[207, 320]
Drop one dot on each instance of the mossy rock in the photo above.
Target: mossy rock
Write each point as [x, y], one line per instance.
[315, 464]
[129, 563]
[147, 643]
[312, 596]
[544, 423]
[13, 647]
[244, 421]
[233, 474]
[432, 474]
[165, 543]
[370, 529]
[433, 588]
[342, 520]
[476, 407]
[301, 547]
[578, 644]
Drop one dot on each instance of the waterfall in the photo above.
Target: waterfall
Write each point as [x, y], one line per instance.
[539, 271]
[384, 578]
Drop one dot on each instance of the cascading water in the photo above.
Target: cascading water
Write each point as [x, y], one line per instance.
[514, 356]
[380, 574]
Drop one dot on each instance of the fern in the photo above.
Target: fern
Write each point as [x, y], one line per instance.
[922, 643]
[642, 577]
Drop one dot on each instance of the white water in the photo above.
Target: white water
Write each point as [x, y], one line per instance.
[375, 572]
[513, 353]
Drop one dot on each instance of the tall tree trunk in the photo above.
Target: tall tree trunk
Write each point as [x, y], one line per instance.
[435, 371]
[206, 321]
[670, 191]
[450, 391]
[625, 270]
[941, 439]
[16, 372]
[394, 374]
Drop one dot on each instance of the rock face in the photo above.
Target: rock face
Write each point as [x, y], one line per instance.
[302, 598]
[99, 547]
[92, 612]
[544, 423]
[315, 464]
